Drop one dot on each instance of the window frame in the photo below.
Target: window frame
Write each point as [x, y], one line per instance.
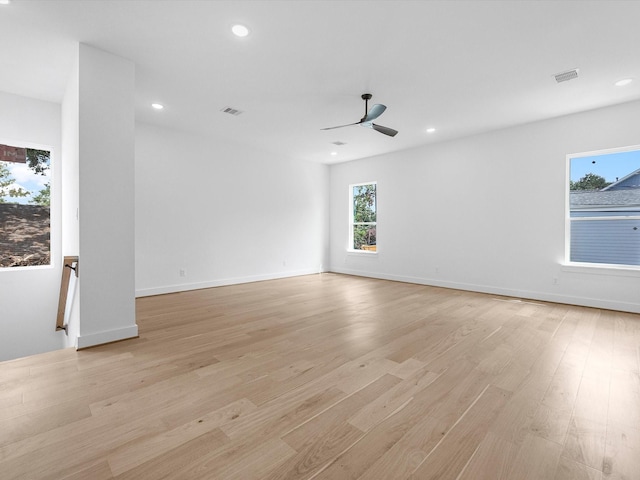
[53, 220]
[352, 224]
[569, 221]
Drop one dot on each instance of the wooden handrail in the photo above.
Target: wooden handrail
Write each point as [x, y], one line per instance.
[70, 263]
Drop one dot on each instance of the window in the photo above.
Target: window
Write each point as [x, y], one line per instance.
[604, 207]
[362, 229]
[25, 194]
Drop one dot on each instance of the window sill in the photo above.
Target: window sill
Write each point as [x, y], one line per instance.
[601, 269]
[359, 253]
[29, 268]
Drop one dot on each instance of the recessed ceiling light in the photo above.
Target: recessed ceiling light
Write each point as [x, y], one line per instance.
[240, 30]
[623, 82]
[333, 154]
[5, 2]
[431, 130]
[157, 106]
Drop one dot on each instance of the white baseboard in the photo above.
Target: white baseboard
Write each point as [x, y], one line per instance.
[108, 336]
[525, 294]
[183, 287]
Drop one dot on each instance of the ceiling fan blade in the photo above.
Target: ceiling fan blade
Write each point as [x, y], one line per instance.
[340, 126]
[377, 110]
[386, 130]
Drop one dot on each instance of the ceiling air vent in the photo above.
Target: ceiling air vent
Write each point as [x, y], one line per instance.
[339, 143]
[566, 76]
[231, 111]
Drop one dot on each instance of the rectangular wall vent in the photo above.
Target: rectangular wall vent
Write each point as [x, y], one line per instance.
[566, 76]
[231, 111]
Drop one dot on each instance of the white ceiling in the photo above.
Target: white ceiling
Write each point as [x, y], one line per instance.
[463, 67]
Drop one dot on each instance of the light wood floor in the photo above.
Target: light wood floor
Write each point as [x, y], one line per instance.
[334, 377]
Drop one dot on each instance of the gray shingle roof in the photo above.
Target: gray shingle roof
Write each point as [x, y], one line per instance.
[581, 199]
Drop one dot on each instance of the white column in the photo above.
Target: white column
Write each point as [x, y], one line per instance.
[106, 129]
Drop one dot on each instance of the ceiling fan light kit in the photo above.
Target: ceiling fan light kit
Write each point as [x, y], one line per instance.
[370, 115]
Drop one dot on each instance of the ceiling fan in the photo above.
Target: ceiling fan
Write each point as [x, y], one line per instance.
[370, 115]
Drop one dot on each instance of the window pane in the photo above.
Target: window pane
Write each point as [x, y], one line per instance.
[364, 203]
[364, 237]
[606, 241]
[24, 207]
[605, 185]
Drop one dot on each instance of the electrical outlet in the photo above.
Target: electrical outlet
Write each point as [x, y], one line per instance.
[555, 280]
[183, 272]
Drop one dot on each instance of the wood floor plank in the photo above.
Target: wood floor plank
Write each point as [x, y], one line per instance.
[399, 458]
[451, 455]
[10, 398]
[405, 431]
[183, 461]
[551, 423]
[570, 470]
[259, 464]
[537, 459]
[586, 441]
[39, 456]
[394, 398]
[140, 451]
[95, 471]
[592, 400]
[563, 388]
[334, 377]
[321, 439]
[407, 368]
[624, 398]
[284, 414]
[32, 423]
[622, 452]
[514, 423]
[493, 459]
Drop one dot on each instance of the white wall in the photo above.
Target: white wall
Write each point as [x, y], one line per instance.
[223, 213]
[486, 213]
[29, 296]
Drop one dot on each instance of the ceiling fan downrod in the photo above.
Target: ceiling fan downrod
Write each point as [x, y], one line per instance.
[366, 97]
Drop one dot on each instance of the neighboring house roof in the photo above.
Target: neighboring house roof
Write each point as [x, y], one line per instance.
[621, 194]
[621, 198]
[630, 181]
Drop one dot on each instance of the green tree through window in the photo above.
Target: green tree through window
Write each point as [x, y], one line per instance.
[25, 215]
[590, 181]
[7, 188]
[364, 217]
